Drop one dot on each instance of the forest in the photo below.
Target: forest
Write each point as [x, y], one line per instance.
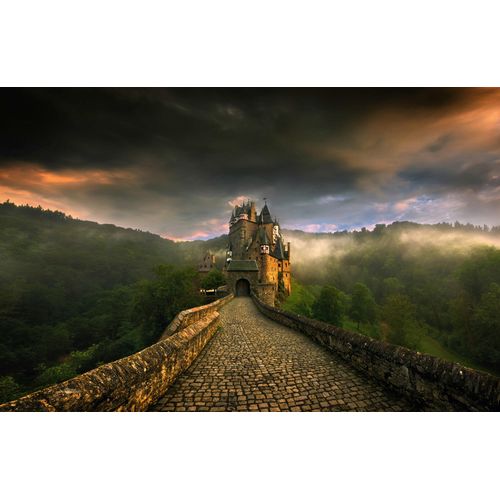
[76, 294]
[432, 288]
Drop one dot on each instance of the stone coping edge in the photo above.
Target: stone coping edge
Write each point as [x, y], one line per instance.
[189, 316]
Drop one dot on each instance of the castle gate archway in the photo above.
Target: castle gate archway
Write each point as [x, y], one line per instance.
[242, 288]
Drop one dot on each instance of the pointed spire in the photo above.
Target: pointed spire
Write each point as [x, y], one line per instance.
[265, 214]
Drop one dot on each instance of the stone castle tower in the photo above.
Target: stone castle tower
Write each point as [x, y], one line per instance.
[257, 260]
[207, 264]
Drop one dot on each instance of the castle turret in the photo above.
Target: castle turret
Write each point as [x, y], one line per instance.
[253, 213]
[264, 242]
[276, 231]
[229, 254]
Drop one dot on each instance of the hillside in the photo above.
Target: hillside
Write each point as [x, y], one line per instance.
[74, 293]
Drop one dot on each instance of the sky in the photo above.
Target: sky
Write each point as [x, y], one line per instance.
[175, 161]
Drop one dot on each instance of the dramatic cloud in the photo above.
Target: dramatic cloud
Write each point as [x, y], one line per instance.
[175, 161]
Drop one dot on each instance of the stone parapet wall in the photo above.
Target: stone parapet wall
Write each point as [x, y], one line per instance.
[439, 384]
[190, 316]
[137, 381]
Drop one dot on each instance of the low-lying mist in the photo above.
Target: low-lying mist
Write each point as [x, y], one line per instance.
[307, 247]
[313, 254]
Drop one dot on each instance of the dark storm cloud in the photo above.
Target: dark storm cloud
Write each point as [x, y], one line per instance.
[170, 160]
[474, 177]
[66, 127]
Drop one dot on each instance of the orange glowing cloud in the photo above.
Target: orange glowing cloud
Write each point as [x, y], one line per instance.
[391, 139]
[29, 183]
[239, 200]
[30, 174]
[210, 227]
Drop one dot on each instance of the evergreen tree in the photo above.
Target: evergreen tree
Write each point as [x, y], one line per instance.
[399, 315]
[485, 327]
[329, 306]
[363, 305]
[213, 280]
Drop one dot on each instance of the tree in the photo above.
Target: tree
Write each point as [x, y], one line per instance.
[392, 286]
[480, 270]
[9, 389]
[303, 308]
[399, 315]
[485, 327]
[55, 374]
[300, 301]
[363, 305]
[213, 280]
[158, 301]
[329, 306]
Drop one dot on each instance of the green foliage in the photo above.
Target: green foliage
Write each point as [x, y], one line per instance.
[300, 300]
[369, 329]
[485, 326]
[391, 286]
[9, 389]
[213, 280]
[330, 305]
[363, 307]
[479, 271]
[55, 374]
[157, 302]
[399, 314]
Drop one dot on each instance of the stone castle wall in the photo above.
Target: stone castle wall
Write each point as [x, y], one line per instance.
[239, 233]
[266, 292]
[287, 278]
[232, 277]
[135, 382]
[440, 384]
[269, 269]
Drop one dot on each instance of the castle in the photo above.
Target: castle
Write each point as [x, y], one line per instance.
[256, 259]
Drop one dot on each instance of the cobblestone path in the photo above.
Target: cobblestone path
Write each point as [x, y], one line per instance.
[256, 364]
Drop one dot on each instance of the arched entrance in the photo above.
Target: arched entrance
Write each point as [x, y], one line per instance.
[242, 288]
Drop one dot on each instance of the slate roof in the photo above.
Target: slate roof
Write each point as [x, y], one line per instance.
[262, 236]
[265, 215]
[278, 252]
[242, 265]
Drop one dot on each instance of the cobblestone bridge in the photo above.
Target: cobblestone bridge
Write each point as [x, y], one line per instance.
[255, 364]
